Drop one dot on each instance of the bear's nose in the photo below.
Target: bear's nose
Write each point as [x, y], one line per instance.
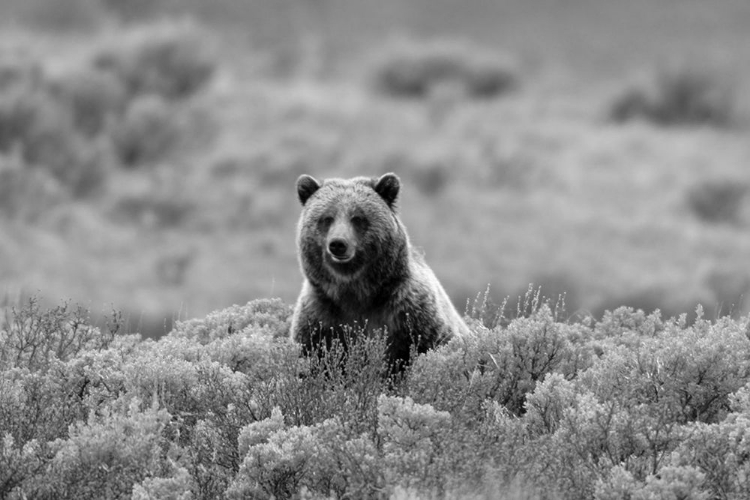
[338, 248]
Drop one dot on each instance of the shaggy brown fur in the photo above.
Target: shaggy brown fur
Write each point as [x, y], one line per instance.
[360, 269]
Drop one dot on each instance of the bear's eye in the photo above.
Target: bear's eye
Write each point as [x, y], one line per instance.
[359, 221]
[326, 221]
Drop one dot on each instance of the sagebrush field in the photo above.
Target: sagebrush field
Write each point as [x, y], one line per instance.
[630, 407]
[598, 149]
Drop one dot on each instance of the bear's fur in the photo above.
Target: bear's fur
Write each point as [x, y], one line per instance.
[361, 271]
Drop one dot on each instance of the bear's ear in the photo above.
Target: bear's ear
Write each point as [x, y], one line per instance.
[306, 187]
[387, 187]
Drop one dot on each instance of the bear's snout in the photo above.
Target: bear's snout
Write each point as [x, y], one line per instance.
[340, 242]
[340, 249]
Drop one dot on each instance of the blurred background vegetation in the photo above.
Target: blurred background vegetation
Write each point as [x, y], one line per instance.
[149, 148]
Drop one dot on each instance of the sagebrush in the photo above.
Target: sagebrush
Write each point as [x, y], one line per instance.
[630, 406]
[127, 107]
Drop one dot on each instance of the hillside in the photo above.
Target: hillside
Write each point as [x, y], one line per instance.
[168, 204]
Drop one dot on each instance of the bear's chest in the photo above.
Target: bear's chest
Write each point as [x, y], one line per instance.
[375, 319]
[359, 310]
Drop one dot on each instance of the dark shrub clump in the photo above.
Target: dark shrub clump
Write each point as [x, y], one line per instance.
[718, 201]
[415, 70]
[681, 96]
[170, 60]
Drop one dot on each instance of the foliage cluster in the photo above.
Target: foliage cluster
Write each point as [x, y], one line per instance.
[718, 201]
[681, 95]
[421, 69]
[632, 406]
[128, 106]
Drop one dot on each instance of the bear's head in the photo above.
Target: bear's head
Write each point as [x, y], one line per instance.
[349, 230]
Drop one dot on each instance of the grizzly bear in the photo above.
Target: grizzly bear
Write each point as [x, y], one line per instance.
[361, 272]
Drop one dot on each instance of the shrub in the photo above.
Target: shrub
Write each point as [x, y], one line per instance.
[40, 130]
[412, 436]
[109, 453]
[176, 487]
[648, 300]
[79, 165]
[633, 406]
[15, 71]
[631, 409]
[17, 463]
[148, 211]
[37, 407]
[719, 201]
[282, 461]
[342, 380]
[429, 168]
[209, 403]
[502, 364]
[172, 269]
[65, 15]
[327, 458]
[132, 10]
[27, 194]
[33, 411]
[148, 131]
[685, 95]
[268, 315]
[689, 371]
[26, 114]
[31, 337]
[72, 123]
[278, 464]
[411, 69]
[171, 60]
[94, 97]
[720, 452]
[546, 406]
[674, 483]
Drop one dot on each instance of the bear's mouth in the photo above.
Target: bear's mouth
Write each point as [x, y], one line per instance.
[341, 260]
[343, 266]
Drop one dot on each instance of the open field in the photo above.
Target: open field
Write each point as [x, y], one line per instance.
[536, 185]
